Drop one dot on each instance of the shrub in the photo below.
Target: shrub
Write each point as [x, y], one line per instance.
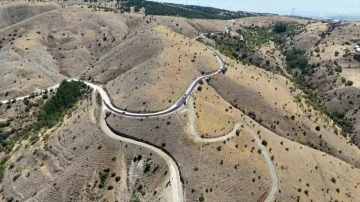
[11, 165]
[237, 132]
[306, 192]
[280, 27]
[110, 187]
[349, 83]
[147, 168]
[264, 143]
[113, 158]
[296, 59]
[103, 176]
[357, 57]
[117, 178]
[202, 198]
[333, 180]
[336, 53]
[317, 128]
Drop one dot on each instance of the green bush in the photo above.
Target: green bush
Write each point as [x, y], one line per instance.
[357, 57]
[264, 143]
[349, 83]
[280, 27]
[296, 58]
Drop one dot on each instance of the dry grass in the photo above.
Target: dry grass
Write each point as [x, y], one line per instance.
[270, 98]
[67, 166]
[224, 174]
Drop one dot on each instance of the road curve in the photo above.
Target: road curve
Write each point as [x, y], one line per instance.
[167, 111]
[175, 177]
[176, 184]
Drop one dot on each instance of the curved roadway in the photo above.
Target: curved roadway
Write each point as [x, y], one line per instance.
[177, 187]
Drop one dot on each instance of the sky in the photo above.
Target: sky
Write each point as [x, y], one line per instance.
[283, 7]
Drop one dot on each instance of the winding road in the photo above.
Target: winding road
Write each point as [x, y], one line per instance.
[176, 184]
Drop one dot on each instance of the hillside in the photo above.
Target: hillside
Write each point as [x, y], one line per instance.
[187, 11]
[275, 119]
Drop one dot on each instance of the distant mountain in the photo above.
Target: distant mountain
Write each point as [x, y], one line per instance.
[329, 15]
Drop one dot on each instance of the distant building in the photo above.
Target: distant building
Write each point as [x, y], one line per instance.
[332, 22]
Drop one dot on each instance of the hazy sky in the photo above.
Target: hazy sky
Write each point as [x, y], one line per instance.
[319, 7]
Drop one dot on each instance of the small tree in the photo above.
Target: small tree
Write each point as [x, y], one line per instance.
[280, 27]
[264, 143]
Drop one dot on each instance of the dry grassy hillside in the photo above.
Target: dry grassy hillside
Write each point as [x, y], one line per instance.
[16, 12]
[304, 174]
[265, 21]
[158, 83]
[222, 171]
[72, 41]
[273, 101]
[336, 78]
[43, 50]
[145, 63]
[65, 165]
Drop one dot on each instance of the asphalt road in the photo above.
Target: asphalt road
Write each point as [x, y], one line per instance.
[176, 184]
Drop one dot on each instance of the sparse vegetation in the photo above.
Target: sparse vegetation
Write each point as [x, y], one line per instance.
[103, 176]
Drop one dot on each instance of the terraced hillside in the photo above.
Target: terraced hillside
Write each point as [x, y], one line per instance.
[273, 124]
[76, 161]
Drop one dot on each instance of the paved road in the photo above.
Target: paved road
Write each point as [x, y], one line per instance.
[172, 108]
[176, 185]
